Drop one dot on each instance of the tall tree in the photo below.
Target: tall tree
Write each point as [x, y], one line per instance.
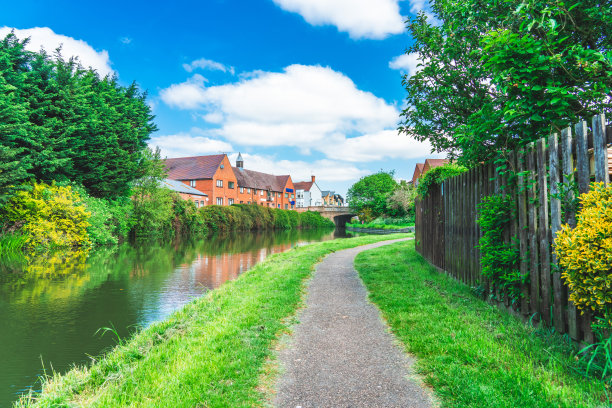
[371, 192]
[497, 74]
[70, 123]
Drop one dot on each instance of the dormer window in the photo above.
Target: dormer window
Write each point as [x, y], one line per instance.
[192, 183]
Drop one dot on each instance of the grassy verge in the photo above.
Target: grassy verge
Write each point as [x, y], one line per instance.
[372, 225]
[211, 353]
[471, 353]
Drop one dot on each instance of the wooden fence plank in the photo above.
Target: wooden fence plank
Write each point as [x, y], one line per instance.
[570, 217]
[543, 232]
[534, 251]
[523, 226]
[600, 151]
[583, 171]
[555, 226]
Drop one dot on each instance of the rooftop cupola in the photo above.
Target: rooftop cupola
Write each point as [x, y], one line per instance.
[239, 161]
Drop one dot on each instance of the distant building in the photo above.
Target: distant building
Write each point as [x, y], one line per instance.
[422, 168]
[227, 185]
[332, 199]
[199, 198]
[308, 194]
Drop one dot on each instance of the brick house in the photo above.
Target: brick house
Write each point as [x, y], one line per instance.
[263, 189]
[226, 185]
[212, 175]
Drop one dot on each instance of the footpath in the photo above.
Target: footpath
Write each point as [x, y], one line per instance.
[341, 353]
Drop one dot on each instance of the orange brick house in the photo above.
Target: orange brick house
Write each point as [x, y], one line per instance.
[226, 185]
[212, 175]
[186, 192]
[263, 189]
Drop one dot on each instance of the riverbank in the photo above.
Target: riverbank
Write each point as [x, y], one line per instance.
[45, 217]
[469, 352]
[213, 352]
[381, 231]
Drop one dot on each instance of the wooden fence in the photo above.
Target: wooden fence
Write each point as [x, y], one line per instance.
[447, 232]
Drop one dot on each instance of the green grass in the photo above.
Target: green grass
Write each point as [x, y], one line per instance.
[373, 225]
[471, 353]
[214, 352]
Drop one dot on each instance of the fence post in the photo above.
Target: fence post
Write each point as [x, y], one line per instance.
[544, 231]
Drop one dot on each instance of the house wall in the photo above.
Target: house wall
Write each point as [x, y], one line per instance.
[288, 196]
[316, 197]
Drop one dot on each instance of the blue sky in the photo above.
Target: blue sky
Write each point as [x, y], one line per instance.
[298, 86]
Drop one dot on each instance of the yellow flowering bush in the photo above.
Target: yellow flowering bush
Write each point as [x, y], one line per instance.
[585, 252]
[49, 216]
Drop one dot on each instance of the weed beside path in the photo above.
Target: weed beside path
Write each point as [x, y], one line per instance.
[471, 353]
[211, 353]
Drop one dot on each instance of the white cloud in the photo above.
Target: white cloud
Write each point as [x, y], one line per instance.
[187, 95]
[324, 170]
[188, 144]
[408, 63]
[204, 63]
[44, 37]
[308, 107]
[125, 40]
[376, 19]
[378, 146]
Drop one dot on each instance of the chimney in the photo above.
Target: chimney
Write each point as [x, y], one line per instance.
[312, 177]
[239, 161]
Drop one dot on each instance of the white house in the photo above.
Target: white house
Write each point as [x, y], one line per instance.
[307, 193]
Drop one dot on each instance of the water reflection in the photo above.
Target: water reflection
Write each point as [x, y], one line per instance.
[51, 306]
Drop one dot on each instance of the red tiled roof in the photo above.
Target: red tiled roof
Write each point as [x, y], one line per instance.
[192, 168]
[303, 185]
[431, 163]
[258, 180]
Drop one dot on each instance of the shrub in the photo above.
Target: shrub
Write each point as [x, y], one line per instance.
[499, 259]
[49, 216]
[401, 201]
[585, 253]
[437, 175]
[110, 220]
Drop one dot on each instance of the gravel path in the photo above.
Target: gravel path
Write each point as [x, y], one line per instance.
[341, 353]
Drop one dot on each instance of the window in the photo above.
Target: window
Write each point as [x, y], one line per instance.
[292, 195]
[242, 191]
[230, 184]
[249, 190]
[279, 206]
[261, 192]
[197, 203]
[219, 201]
[230, 201]
[286, 206]
[221, 166]
[286, 195]
[219, 183]
[241, 202]
[255, 191]
[192, 183]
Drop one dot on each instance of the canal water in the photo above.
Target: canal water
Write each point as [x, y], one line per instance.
[53, 308]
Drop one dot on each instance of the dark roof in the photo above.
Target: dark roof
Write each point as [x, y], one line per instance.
[180, 187]
[303, 185]
[192, 168]
[259, 180]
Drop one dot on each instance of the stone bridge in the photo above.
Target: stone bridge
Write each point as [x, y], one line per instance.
[339, 215]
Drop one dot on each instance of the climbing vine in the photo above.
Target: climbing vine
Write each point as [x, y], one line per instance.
[500, 259]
